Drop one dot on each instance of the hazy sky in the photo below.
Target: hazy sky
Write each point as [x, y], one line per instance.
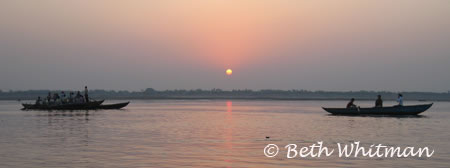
[401, 45]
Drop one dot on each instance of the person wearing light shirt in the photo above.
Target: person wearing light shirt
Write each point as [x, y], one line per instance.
[400, 100]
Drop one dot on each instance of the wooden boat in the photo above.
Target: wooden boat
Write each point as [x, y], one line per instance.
[395, 110]
[72, 106]
[113, 106]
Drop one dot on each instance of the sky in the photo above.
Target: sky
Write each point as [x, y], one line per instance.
[379, 45]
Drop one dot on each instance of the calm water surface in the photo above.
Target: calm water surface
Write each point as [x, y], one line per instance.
[211, 133]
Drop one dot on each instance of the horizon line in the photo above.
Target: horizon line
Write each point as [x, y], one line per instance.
[225, 90]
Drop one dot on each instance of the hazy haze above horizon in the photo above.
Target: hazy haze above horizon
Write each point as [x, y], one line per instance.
[382, 45]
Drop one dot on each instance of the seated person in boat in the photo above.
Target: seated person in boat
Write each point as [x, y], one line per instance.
[379, 102]
[38, 101]
[79, 98]
[45, 102]
[63, 97]
[351, 104]
[71, 97]
[400, 100]
[49, 97]
[55, 98]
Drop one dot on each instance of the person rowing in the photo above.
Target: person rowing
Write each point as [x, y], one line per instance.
[351, 104]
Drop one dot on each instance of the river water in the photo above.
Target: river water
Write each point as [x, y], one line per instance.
[213, 133]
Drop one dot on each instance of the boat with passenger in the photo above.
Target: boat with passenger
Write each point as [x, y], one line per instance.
[393, 110]
[79, 102]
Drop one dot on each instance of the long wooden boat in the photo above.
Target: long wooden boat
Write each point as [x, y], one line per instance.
[394, 110]
[72, 106]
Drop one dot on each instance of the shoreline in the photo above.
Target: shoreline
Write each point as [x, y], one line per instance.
[217, 94]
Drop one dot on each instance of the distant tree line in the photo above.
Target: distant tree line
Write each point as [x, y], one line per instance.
[293, 94]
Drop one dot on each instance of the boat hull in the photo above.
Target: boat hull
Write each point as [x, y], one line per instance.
[80, 106]
[395, 110]
[113, 106]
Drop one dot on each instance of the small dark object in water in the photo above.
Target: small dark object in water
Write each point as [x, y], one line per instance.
[267, 137]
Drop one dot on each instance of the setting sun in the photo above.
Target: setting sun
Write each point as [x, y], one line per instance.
[229, 72]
